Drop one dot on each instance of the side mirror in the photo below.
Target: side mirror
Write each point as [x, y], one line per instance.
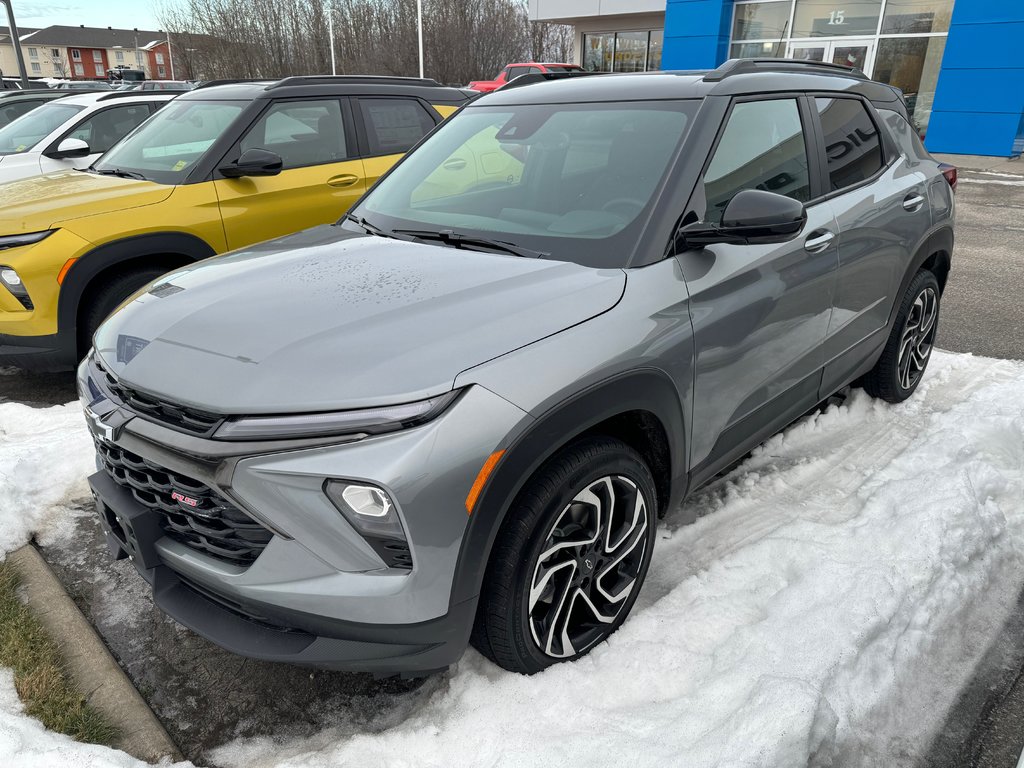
[253, 162]
[752, 217]
[69, 148]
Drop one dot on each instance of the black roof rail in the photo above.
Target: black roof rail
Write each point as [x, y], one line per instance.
[746, 66]
[231, 81]
[355, 80]
[540, 77]
[133, 94]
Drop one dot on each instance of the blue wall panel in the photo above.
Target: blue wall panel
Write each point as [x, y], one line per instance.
[696, 33]
[979, 103]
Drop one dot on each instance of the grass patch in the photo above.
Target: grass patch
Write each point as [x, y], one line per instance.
[40, 677]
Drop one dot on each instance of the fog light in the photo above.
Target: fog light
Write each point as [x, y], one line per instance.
[372, 513]
[10, 277]
[12, 281]
[367, 500]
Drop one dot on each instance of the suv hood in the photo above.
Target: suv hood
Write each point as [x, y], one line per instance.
[326, 320]
[39, 202]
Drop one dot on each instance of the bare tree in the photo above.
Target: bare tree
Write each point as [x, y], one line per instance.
[463, 39]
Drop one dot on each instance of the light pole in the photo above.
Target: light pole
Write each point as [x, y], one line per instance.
[330, 35]
[16, 42]
[419, 30]
[170, 55]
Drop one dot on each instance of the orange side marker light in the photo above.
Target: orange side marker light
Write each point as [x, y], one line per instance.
[481, 479]
[64, 271]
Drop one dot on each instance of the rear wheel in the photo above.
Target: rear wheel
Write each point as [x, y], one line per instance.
[570, 559]
[901, 367]
[104, 301]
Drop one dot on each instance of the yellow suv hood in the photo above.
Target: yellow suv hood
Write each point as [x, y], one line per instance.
[40, 202]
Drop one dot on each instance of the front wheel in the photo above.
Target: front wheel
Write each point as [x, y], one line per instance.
[570, 560]
[901, 367]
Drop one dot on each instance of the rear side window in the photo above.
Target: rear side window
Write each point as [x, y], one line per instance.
[516, 72]
[394, 125]
[906, 137]
[763, 147]
[852, 145]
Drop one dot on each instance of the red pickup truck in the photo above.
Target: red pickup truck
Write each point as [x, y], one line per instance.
[515, 70]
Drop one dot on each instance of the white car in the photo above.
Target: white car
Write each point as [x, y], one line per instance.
[72, 132]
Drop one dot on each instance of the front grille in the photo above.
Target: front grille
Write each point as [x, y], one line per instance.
[148, 407]
[200, 518]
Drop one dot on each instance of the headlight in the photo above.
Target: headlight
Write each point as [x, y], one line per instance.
[369, 421]
[13, 283]
[13, 241]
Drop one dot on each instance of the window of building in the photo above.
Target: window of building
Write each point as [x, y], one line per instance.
[757, 21]
[852, 144]
[622, 51]
[79, 70]
[906, 17]
[98, 68]
[119, 55]
[394, 125]
[37, 68]
[55, 53]
[912, 64]
[763, 147]
[303, 133]
[76, 54]
[826, 18]
[97, 55]
[33, 53]
[161, 72]
[159, 58]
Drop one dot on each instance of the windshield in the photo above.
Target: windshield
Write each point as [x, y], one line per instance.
[25, 132]
[568, 181]
[168, 145]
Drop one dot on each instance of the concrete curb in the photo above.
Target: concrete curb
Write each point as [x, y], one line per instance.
[91, 665]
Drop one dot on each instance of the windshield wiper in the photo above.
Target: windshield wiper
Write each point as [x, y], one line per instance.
[369, 228]
[119, 173]
[458, 240]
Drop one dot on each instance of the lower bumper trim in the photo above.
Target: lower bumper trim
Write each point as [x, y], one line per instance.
[44, 354]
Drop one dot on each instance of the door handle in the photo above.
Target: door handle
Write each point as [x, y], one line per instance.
[454, 164]
[913, 202]
[818, 241]
[343, 180]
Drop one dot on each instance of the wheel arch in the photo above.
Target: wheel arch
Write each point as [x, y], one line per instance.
[162, 249]
[642, 408]
[935, 254]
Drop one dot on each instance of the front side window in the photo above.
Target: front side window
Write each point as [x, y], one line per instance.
[167, 147]
[853, 147]
[32, 127]
[303, 133]
[105, 128]
[569, 181]
[394, 125]
[763, 147]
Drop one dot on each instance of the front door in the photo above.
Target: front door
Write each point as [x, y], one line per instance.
[849, 52]
[760, 313]
[321, 175]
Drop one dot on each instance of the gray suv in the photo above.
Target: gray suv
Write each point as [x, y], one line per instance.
[456, 415]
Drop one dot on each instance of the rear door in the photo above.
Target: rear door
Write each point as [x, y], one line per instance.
[760, 313]
[880, 203]
[321, 176]
[389, 127]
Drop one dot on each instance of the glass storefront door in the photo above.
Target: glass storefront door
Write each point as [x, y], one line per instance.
[845, 51]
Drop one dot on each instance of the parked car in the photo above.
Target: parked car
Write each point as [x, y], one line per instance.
[456, 417]
[165, 85]
[14, 104]
[82, 85]
[71, 132]
[221, 167]
[515, 70]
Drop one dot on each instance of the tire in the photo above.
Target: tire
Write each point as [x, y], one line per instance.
[895, 376]
[590, 578]
[107, 299]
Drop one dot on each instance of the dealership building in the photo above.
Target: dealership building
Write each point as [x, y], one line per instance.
[953, 59]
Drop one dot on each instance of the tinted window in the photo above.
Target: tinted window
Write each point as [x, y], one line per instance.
[852, 144]
[104, 129]
[394, 125]
[906, 137]
[516, 72]
[763, 147]
[302, 132]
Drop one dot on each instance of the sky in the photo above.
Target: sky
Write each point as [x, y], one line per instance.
[93, 13]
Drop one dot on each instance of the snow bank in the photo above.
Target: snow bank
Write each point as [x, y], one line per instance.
[45, 456]
[835, 591]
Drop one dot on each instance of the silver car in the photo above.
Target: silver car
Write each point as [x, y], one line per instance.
[457, 415]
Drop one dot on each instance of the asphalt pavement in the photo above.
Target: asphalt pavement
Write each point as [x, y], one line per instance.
[205, 696]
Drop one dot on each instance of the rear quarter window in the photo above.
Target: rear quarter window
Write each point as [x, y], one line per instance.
[394, 125]
[905, 136]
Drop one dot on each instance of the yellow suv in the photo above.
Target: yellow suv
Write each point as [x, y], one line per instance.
[218, 168]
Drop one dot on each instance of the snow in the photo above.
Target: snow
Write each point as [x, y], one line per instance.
[825, 608]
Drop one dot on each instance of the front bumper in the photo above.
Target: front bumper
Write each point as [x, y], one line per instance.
[318, 594]
[44, 354]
